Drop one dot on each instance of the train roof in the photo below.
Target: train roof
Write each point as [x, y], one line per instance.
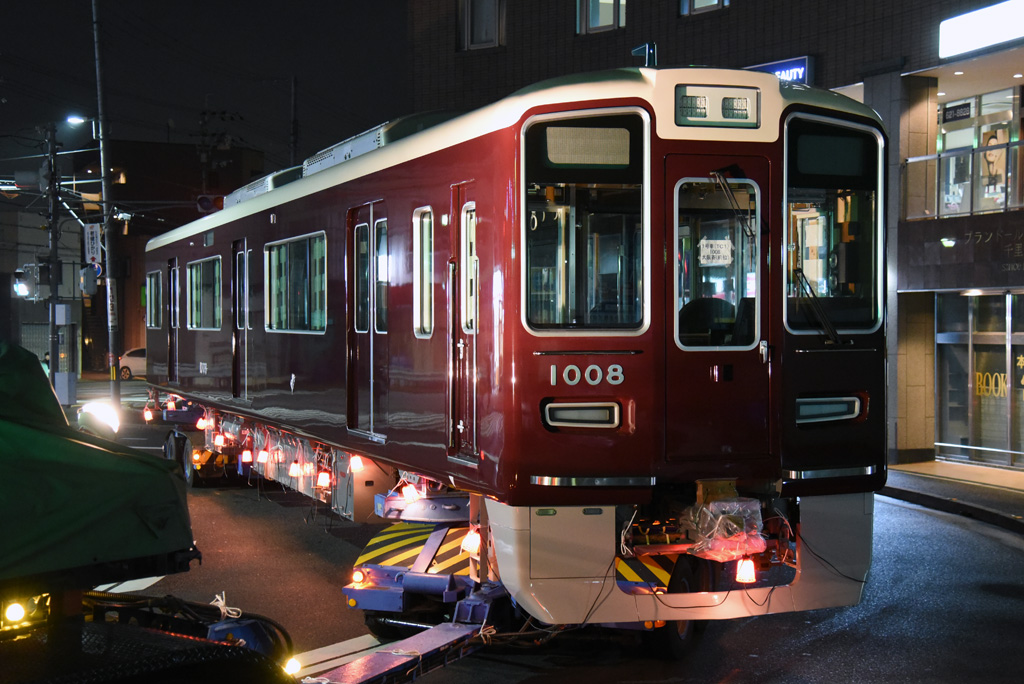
[413, 137]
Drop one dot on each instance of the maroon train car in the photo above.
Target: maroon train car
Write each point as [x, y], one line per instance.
[602, 303]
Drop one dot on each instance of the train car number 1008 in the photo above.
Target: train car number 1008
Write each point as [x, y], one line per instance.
[592, 375]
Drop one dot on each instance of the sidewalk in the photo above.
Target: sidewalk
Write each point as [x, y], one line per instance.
[991, 495]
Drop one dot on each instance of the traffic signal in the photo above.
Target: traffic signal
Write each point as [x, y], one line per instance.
[31, 281]
[209, 203]
[87, 280]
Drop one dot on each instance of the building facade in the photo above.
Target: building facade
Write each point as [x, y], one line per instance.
[946, 77]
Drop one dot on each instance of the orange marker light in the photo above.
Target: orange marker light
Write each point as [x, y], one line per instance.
[294, 470]
[745, 571]
[323, 479]
[202, 423]
[246, 456]
[218, 440]
[471, 542]
[356, 464]
[262, 456]
[358, 576]
[147, 414]
[410, 493]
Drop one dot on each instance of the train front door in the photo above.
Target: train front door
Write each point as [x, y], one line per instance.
[463, 325]
[368, 274]
[717, 351]
[240, 325]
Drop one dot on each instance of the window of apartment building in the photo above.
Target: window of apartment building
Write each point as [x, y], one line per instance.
[593, 16]
[687, 7]
[481, 23]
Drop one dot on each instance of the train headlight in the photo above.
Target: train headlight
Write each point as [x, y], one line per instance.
[15, 612]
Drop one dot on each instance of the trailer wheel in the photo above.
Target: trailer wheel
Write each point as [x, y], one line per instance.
[677, 638]
[178, 448]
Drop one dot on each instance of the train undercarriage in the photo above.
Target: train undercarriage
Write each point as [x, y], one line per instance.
[710, 550]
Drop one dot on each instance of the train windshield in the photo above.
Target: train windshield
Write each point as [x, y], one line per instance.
[833, 234]
[716, 262]
[584, 236]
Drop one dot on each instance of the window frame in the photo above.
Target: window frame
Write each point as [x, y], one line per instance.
[154, 300]
[878, 227]
[688, 8]
[218, 305]
[645, 220]
[758, 289]
[380, 309]
[311, 293]
[467, 10]
[423, 272]
[583, 18]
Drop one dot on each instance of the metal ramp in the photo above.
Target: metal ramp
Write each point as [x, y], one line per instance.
[392, 663]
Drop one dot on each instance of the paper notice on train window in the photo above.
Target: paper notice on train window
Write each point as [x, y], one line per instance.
[714, 252]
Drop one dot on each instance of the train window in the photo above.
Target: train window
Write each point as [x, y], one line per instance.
[361, 239]
[380, 309]
[423, 272]
[716, 264]
[470, 268]
[154, 299]
[833, 240]
[203, 290]
[584, 233]
[296, 287]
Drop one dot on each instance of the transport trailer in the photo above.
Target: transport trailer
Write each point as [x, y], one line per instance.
[616, 340]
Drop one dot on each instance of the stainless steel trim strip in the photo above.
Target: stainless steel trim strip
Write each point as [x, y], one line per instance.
[555, 481]
[829, 472]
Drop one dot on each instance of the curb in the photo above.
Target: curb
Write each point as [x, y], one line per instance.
[1007, 522]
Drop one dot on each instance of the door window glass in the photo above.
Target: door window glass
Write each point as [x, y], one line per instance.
[716, 263]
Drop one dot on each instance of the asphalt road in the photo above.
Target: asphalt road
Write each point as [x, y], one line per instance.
[944, 602]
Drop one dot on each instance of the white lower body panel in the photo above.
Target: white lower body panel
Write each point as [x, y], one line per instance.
[560, 567]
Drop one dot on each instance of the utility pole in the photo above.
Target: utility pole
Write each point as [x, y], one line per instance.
[108, 233]
[53, 210]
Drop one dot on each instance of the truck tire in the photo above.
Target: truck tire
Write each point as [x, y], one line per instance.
[178, 448]
[678, 638]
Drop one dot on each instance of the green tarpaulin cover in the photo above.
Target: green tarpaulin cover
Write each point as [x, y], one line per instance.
[72, 504]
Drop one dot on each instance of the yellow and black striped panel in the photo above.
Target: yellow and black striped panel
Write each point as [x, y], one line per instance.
[653, 571]
[401, 544]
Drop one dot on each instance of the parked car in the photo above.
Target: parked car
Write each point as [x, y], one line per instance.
[133, 363]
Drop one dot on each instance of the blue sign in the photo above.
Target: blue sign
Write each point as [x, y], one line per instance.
[795, 70]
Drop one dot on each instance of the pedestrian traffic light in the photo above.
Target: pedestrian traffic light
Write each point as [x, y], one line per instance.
[87, 280]
[209, 203]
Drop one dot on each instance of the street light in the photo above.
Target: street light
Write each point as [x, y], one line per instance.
[106, 205]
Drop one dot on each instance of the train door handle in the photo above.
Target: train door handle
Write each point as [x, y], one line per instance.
[763, 348]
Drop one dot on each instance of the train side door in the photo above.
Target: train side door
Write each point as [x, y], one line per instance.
[463, 326]
[368, 266]
[717, 360]
[240, 326]
[173, 273]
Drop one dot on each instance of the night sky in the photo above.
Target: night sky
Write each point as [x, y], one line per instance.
[165, 63]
